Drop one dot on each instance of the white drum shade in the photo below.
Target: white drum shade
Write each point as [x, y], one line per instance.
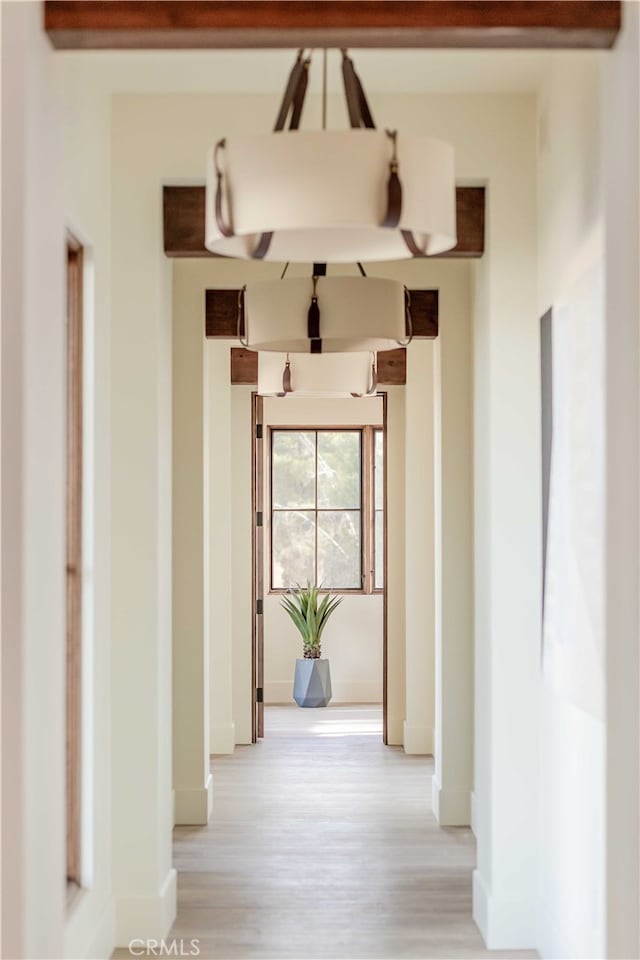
[317, 375]
[323, 195]
[356, 313]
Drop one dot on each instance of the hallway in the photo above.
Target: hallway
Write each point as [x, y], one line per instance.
[322, 844]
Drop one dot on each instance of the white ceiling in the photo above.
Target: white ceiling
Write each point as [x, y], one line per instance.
[249, 71]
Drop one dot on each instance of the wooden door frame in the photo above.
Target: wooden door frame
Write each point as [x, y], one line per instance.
[385, 591]
[257, 568]
[258, 461]
[73, 551]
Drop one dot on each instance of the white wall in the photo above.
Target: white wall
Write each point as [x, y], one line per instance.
[420, 560]
[589, 212]
[157, 139]
[411, 663]
[193, 795]
[90, 927]
[168, 136]
[218, 533]
[141, 557]
[622, 239]
[453, 777]
[55, 143]
[353, 639]
[507, 536]
[572, 910]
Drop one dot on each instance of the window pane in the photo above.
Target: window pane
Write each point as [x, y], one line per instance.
[293, 465]
[379, 469]
[339, 469]
[339, 548]
[293, 548]
[378, 562]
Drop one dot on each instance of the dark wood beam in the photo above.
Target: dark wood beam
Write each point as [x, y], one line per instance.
[392, 367]
[183, 218]
[243, 367]
[191, 24]
[469, 223]
[221, 314]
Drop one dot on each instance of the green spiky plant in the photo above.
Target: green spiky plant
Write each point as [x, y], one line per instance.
[309, 616]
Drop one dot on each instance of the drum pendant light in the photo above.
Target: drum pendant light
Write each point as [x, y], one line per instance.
[329, 195]
[325, 375]
[321, 314]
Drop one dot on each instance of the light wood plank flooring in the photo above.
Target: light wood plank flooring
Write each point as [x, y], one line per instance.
[322, 844]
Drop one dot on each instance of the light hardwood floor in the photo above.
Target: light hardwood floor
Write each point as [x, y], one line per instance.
[322, 844]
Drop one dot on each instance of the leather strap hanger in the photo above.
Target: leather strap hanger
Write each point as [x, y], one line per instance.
[293, 100]
[373, 385]
[286, 379]
[357, 104]
[360, 116]
[226, 229]
[313, 316]
[290, 108]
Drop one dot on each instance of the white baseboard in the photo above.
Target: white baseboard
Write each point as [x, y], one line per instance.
[222, 739]
[474, 814]
[417, 741]
[561, 935]
[104, 936]
[452, 808]
[281, 692]
[193, 807]
[146, 918]
[86, 935]
[505, 924]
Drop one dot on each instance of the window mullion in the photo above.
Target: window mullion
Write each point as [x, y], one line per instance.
[315, 532]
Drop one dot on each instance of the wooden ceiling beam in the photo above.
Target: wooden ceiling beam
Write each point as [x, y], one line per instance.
[183, 217]
[219, 24]
[391, 367]
[221, 314]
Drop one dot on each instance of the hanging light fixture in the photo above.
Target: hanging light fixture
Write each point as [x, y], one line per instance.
[329, 195]
[324, 375]
[320, 314]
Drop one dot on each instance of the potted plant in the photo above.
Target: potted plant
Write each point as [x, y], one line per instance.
[312, 682]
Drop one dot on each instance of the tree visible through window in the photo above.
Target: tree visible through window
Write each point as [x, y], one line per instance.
[317, 508]
[320, 483]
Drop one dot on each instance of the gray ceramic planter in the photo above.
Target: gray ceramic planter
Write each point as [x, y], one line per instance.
[312, 683]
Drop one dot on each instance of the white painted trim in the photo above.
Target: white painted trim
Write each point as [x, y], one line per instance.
[551, 938]
[147, 918]
[505, 924]
[281, 692]
[222, 739]
[474, 814]
[103, 939]
[417, 740]
[194, 806]
[452, 808]
[87, 937]
[480, 908]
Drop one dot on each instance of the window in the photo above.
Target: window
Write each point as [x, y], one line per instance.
[321, 509]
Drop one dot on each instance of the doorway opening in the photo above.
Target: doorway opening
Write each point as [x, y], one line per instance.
[319, 516]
